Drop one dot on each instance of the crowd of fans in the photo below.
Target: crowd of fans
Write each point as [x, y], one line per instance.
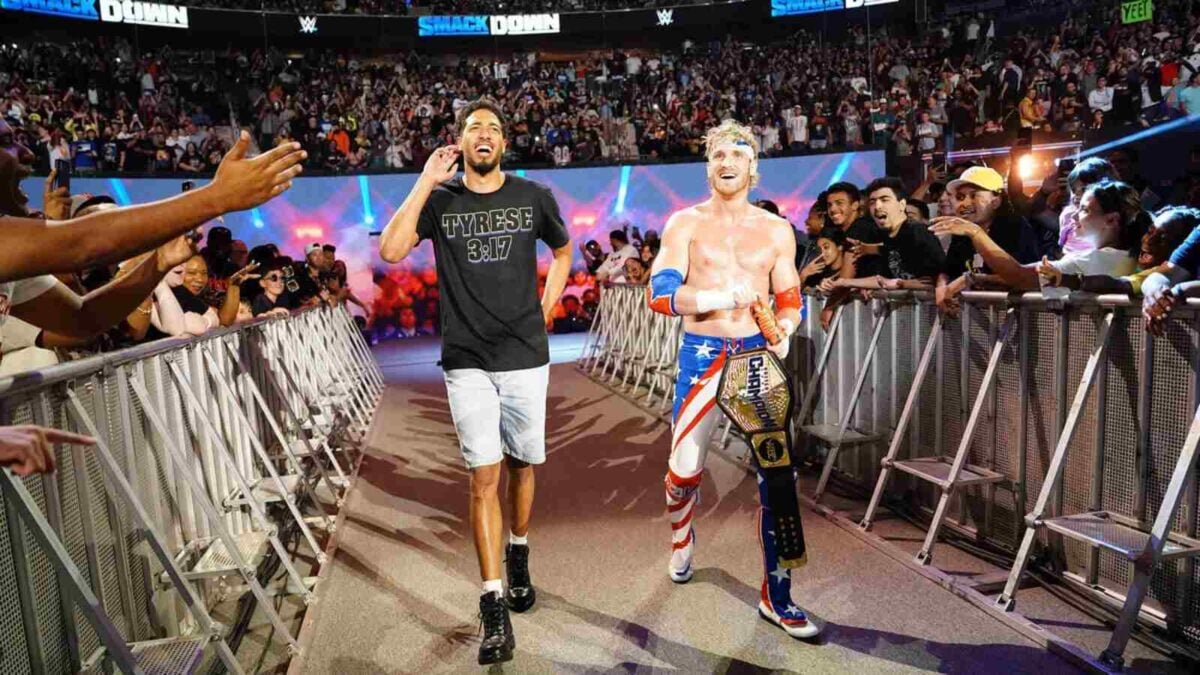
[213, 280]
[1086, 228]
[108, 108]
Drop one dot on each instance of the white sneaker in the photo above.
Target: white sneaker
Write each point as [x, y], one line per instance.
[794, 623]
[680, 567]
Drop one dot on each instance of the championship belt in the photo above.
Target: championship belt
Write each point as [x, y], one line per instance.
[756, 394]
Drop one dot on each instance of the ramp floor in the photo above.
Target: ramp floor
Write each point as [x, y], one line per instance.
[401, 592]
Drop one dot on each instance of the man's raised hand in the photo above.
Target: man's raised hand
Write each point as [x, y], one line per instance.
[442, 165]
[242, 183]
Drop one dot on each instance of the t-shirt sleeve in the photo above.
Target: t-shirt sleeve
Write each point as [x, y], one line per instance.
[551, 229]
[931, 256]
[428, 220]
[1187, 256]
[1135, 280]
[1068, 265]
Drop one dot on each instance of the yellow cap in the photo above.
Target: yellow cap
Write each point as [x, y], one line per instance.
[980, 177]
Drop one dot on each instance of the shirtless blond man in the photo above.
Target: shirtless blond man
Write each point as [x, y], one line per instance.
[717, 257]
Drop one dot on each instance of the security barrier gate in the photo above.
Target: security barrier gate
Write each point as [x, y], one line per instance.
[209, 450]
[1057, 431]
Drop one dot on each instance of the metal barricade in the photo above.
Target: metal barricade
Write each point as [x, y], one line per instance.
[211, 451]
[1003, 374]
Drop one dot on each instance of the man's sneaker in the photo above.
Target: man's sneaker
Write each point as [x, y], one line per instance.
[680, 567]
[793, 620]
[498, 641]
[520, 595]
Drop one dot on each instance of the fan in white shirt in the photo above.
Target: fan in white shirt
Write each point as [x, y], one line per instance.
[613, 267]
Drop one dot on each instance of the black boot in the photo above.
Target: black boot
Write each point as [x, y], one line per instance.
[498, 641]
[520, 595]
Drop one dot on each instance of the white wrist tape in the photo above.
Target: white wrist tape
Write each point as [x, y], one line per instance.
[711, 301]
[787, 327]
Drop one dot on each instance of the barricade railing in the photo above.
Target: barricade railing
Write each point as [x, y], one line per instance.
[212, 453]
[1054, 430]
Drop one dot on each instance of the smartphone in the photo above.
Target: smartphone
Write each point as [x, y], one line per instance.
[187, 185]
[62, 174]
[1065, 166]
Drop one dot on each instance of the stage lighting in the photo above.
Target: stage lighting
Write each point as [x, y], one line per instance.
[1026, 166]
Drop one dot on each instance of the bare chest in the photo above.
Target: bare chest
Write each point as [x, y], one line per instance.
[718, 249]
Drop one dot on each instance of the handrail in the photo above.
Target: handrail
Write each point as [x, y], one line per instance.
[20, 383]
[1145, 392]
[194, 438]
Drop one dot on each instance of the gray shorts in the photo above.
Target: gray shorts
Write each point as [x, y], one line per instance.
[498, 413]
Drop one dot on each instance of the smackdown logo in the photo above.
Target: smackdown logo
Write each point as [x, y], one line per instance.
[143, 13]
[796, 7]
[483, 24]
[110, 11]
[525, 24]
[76, 9]
[428, 26]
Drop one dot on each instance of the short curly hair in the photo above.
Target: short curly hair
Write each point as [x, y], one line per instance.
[482, 104]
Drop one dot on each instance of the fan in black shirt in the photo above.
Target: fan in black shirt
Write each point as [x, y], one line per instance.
[909, 255]
[844, 207]
[983, 208]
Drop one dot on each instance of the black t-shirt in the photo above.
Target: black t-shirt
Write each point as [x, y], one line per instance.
[486, 251]
[1013, 234]
[263, 304]
[913, 253]
[866, 231]
[189, 302]
[307, 286]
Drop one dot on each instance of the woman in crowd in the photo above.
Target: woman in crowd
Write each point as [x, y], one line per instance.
[191, 161]
[1172, 225]
[160, 315]
[1088, 172]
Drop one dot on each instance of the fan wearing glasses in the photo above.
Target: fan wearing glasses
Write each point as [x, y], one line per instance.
[277, 296]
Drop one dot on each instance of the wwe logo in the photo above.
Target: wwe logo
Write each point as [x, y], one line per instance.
[666, 17]
[308, 24]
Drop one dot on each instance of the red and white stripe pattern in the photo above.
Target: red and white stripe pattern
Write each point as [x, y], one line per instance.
[682, 495]
[701, 399]
[691, 428]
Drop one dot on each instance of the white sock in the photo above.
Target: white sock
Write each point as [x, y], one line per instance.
[493, 586]
[514, 539]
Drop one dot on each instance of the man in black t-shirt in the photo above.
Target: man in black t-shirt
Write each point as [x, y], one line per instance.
[986, 222]
[485, 227]
[844, 205]
[911, 257]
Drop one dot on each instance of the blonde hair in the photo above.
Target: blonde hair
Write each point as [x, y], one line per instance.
[730, 131]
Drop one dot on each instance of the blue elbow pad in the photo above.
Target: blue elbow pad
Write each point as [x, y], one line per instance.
[661, 292]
